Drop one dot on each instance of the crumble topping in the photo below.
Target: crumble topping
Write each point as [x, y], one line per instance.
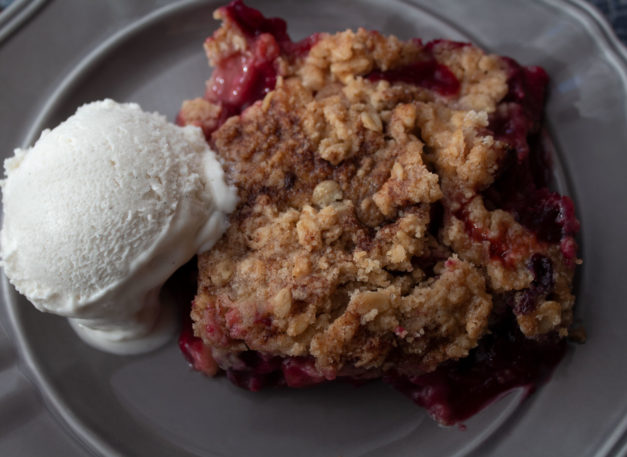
[368, 237]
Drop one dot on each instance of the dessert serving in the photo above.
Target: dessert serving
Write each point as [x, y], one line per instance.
[394, 217]
[362, 207]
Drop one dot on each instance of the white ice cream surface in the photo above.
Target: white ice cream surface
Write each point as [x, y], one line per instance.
[104, 208]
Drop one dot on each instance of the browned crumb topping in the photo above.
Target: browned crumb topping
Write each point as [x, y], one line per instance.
[336, 250]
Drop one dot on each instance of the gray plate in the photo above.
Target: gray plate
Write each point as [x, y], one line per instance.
[154, 405]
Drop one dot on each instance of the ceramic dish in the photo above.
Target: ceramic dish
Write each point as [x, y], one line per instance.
[154, 405]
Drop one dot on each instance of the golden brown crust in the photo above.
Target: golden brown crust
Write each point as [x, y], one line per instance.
[330, 253]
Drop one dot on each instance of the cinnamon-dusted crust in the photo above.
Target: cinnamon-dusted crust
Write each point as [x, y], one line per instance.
[362, 238]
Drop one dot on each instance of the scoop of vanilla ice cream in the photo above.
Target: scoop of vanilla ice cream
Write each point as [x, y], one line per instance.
[103, 209]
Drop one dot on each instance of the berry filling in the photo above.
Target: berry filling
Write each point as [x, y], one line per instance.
[504, 360]
[258, 370]
[542, 285]
[254, 24]
[455, 391]
[197, 354]
[521, 187]
[502, 247]
[244, 77]
[429, 74]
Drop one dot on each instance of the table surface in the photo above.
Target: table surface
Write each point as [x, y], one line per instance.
[616, 13]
